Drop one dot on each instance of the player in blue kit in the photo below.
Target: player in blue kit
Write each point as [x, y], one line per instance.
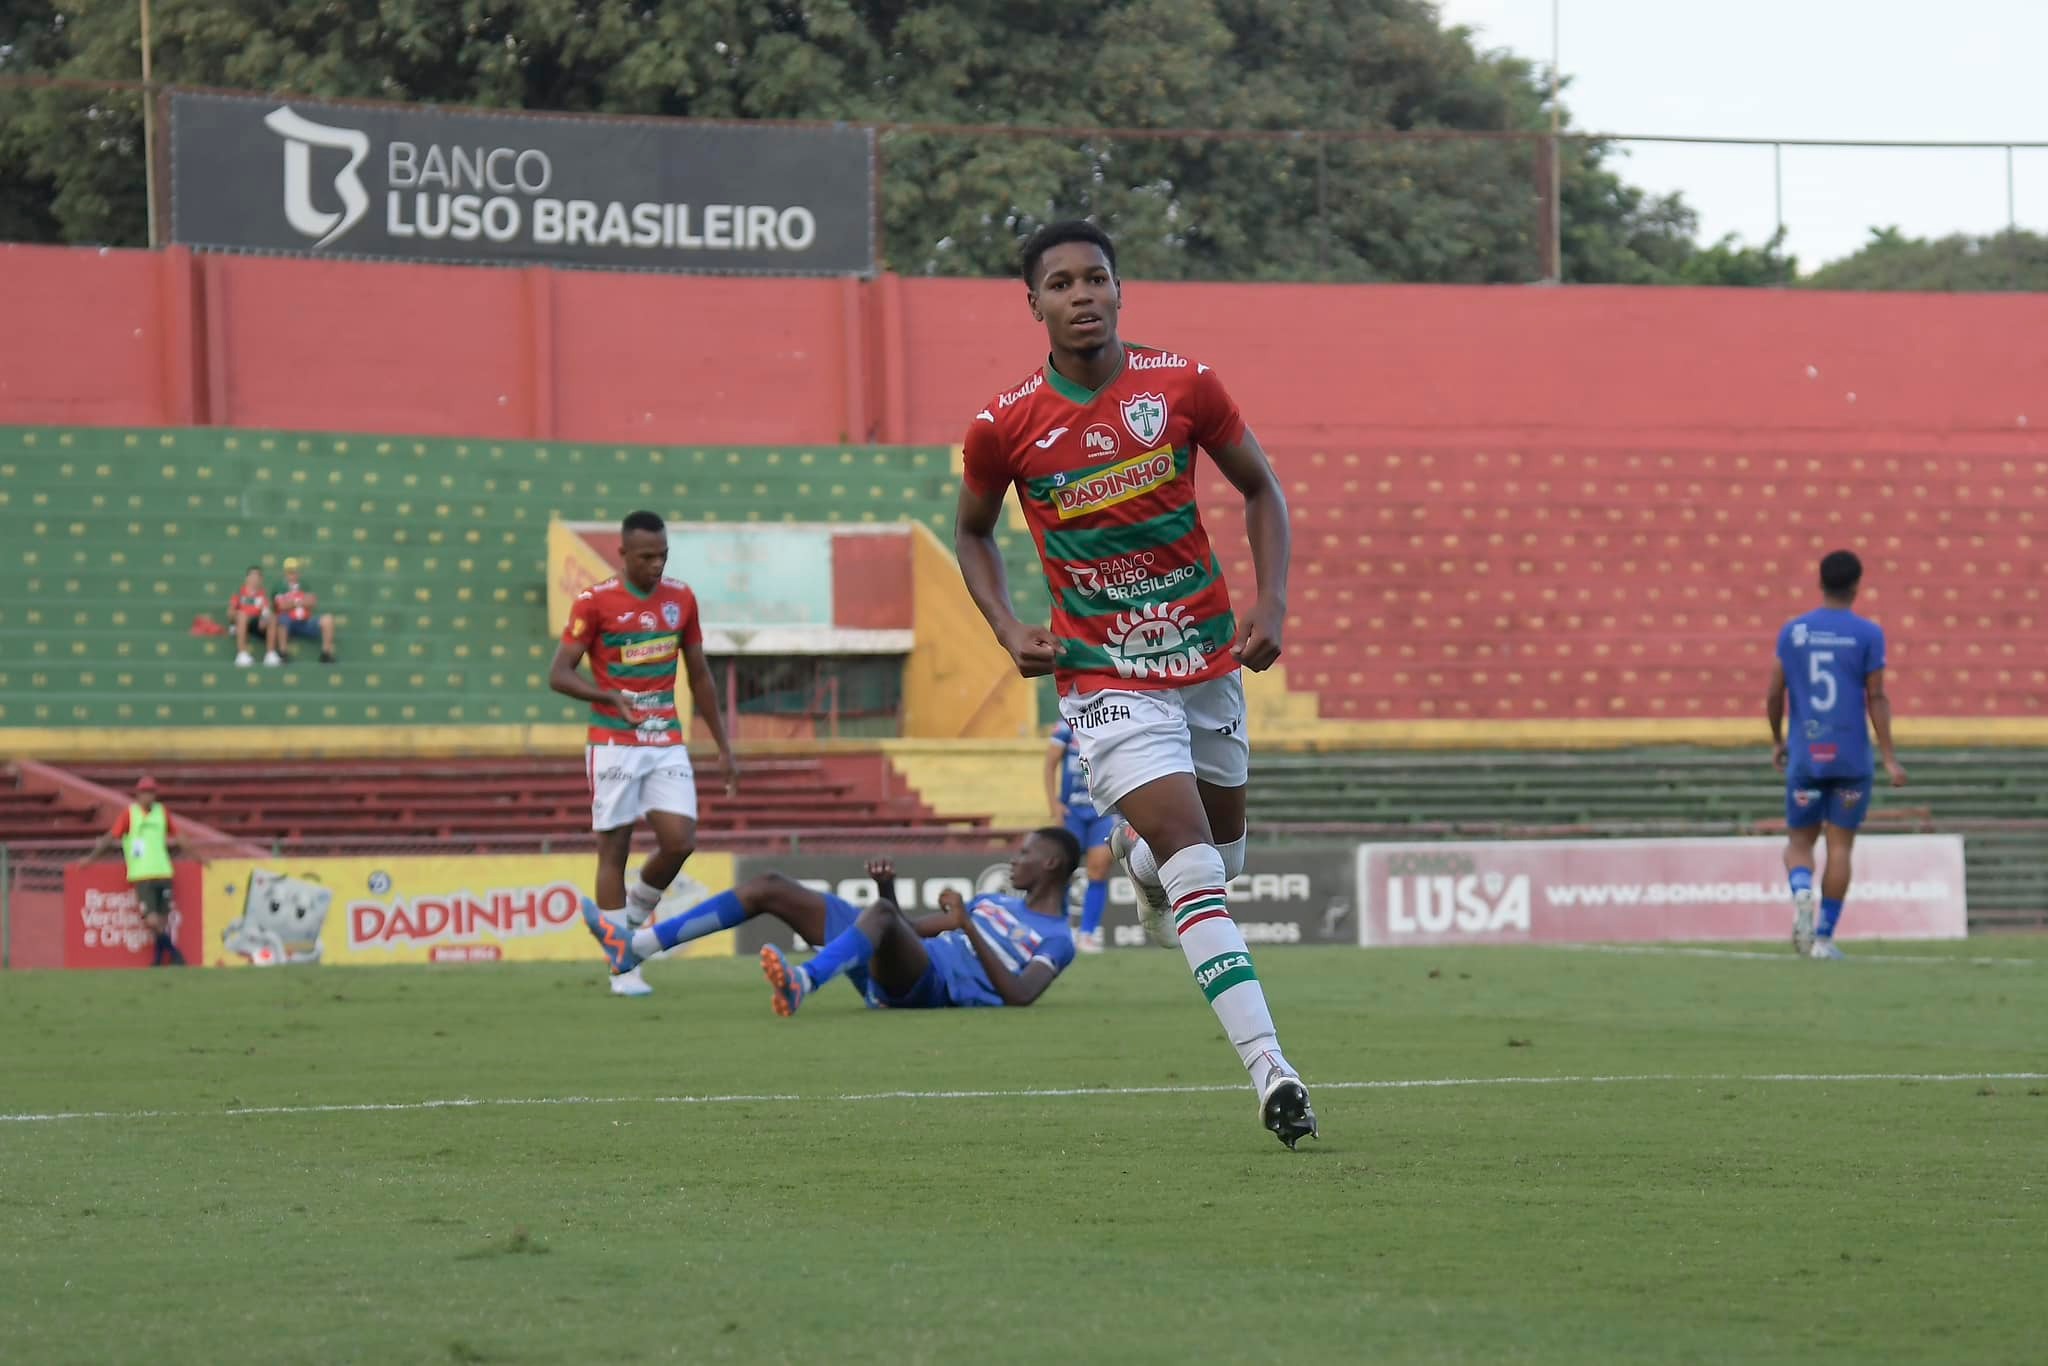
[1066, 791]
[993, 951]
[1831, 667]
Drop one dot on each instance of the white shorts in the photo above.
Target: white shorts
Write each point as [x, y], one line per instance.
[628, 781]
[1130, 738]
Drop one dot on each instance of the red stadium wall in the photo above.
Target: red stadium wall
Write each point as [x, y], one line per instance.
[1510, 503]
[169, 338]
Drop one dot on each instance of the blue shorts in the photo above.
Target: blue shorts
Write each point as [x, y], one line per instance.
[1841, 802]
[1092, 830]
[309, 629]
[950, 979]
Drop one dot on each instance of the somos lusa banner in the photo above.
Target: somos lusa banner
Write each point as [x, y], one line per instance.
[461, 909]
[426, 184]
[1596, 891]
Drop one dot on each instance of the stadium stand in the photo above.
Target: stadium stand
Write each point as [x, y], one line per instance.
[1492, 585]
[538, 799]
[432, 553]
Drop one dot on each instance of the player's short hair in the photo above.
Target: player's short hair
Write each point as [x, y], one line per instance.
[253, 569]
[1070, 848]
[642, 521]
[1840, 572]
[1060, 234]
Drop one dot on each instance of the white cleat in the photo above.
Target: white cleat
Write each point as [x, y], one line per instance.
[631, 983]
[1802, 922]
[1154, 912]
[1825, 951]
[1087, 941]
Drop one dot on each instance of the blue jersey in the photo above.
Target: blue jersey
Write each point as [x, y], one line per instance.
[1020, 937]
[1074, 794]
[1828, 655]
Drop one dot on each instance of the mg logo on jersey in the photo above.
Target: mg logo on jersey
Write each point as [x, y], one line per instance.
[1145, 415]
[301, 135]
[1100, 439]
[1156, 642]
[1476, 903]
[1117, 484]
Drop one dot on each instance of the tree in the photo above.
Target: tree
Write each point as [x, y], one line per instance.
[1891, 260]
[1259, 207]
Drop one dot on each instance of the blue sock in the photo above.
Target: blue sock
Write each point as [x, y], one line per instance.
[709, 916]
[848, 950]
[1830, 912]
[1092, 906]
[1801, 880]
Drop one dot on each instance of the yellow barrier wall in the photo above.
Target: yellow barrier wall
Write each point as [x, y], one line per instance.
[958, 682]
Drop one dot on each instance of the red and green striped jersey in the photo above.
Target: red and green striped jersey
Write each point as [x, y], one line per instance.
[1107, 482]
[636, 641]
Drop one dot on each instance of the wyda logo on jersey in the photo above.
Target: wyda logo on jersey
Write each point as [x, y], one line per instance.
[1157, 641]
[1145, 415]
[1476, 903]
[301, 135]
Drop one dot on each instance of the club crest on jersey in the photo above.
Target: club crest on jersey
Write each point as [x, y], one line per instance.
[1145, 415]
[1157, 641]
[1117, 484]
[671, 615]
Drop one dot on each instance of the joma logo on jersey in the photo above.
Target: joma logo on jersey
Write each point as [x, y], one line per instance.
[1117, 484]
[648, 651]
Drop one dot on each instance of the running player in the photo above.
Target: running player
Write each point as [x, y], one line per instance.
[635, 627]
[1831, 663]
[1066, 791]
[994, 951]
[1100, 443]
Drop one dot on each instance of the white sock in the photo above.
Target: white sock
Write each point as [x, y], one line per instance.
[1216, 951]
[1142, 865]
[1233, 855]
[646, 943]
[643, 897]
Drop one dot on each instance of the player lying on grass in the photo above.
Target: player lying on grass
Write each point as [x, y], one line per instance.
[993, 951]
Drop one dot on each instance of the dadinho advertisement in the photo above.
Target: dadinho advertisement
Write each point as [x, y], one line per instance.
[456, 909]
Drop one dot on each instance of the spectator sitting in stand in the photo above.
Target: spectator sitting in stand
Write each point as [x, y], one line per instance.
[295, 619]
[249, 616]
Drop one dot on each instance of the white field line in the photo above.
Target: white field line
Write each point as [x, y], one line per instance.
[1053, 1093]
[1785, 955]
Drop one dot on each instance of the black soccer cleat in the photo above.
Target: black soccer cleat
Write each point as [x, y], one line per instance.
[1286, 1111]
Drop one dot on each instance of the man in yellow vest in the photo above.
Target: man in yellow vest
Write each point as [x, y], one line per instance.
[148, 840]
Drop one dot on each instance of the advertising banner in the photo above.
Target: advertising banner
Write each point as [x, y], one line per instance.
[401, 909]
[1284, 896]
[103, 925]
[1599, 891]
[415, 183]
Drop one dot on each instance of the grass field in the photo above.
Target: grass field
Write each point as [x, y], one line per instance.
[732, 1187]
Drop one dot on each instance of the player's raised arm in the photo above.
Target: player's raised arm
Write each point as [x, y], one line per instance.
[1879, 705]
[981, 564]
[1243, 462]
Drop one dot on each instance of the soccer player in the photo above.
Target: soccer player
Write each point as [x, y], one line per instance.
[994, 951]
[635, 627]
[1100, 444]
[1831, 664]
[1066, 791]
[149, 841]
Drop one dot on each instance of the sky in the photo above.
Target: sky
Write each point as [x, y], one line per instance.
[1966, 70]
